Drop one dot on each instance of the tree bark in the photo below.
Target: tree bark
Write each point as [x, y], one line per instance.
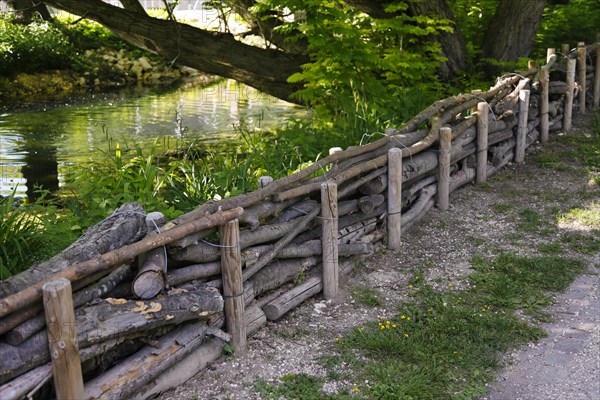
[512, 29]
[26, 9]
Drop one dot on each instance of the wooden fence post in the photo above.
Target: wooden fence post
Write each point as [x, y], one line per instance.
[581, 59]
[544, 91]
[394, 227]
[571, 65]
[233, 290]
[597, 74]
[444, 168]
[334, 150]
[483, 112]
[62, 338]
[476, 92]
[522, 126]
[329, 213]
[549, 52]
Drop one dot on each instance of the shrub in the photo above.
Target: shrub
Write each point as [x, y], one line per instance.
[34, 47]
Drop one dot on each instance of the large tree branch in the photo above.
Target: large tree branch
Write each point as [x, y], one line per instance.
[211, 52]
[133, 5]
[265, 24]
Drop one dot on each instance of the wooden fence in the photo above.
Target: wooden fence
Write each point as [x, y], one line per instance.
[133, 319]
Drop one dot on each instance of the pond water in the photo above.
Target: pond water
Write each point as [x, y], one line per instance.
[39, 145]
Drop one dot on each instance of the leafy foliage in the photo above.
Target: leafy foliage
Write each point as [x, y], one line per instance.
[361, 67]
[30, 48]
[567, 22]
[473, 18]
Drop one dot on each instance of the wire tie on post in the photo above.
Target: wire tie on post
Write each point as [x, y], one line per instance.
[221, 245]
[233, 296]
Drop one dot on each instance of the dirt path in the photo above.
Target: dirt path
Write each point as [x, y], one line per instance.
[515, 212]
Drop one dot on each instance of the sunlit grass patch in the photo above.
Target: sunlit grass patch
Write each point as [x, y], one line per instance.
[585, 216]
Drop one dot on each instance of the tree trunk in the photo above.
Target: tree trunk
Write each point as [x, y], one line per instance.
[512, 29]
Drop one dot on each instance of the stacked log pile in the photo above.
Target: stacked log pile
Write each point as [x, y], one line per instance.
[149, 296]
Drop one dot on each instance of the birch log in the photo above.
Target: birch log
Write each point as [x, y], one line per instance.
[544, 93]
[571, 66]
[125, 379]
[152, 274]
[597, 74]
[124, 226]
[24, 331]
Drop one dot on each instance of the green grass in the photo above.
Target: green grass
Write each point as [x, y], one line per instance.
[502, 207]
[529, 220]
[295, 386]
[551, 248]
[585, 216]
[571, 152]
[582, 243]
[441, 345]
[366, 295]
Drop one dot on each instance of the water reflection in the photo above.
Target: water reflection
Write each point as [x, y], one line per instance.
[37, 146]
